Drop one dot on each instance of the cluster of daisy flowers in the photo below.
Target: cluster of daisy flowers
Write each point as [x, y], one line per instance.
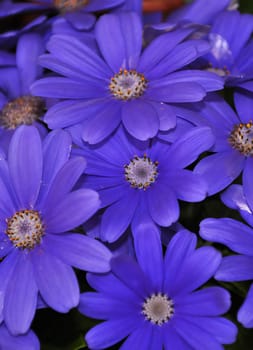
[113, 124]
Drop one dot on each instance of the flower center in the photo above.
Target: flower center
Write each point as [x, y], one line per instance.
[241, 138]
[141, 172]
[158, 309]
[222, 72]
[69, 5]
[22, 110]
[25, 229]
[128, 84]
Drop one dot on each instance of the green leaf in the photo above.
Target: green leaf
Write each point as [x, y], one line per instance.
[62, 331]
[78, 344]
[246, 6]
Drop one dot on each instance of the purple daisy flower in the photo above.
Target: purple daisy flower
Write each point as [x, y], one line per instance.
[122, 83]
[239, 238]
[233, 145]
[147, 178]
[231, 49]
[28, 341]
[17, 105]
[38, 209]
[154, 302]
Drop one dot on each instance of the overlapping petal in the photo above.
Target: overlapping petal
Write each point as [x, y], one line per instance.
[56, 281]
[226, 231]
[80, 251]
[21, 297]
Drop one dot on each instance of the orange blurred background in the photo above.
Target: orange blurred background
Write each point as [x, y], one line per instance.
[161, 5]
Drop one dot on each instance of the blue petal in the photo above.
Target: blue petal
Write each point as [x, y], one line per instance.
[123, 43]
[21, 296]
[220, 169]
[71, 112]
[111, 194]
[7, 58]
[29, 341]
[180, 247]
[63, 182]
[7, 200]
[235, 268]
[244, 104]
[167, 116]
[234, 198]
[245, 313]
[240, 29]
[140, 119]
[116, 218]
[140, 339]
[25, 163]
[209, 81]
[10, 83]
[162, 203]
[80, 21]
[234, 234]
[56, 281]
[175, 92]
[5, 243]
[112, 286]
[198, 12]
[110, 332]
[188, 186]
[117, 151]
[221, 329]
[247, 182]
[104, 307]
[59, 87]
[195, 336]
[80, 251]
[29, 47]
[198, 140]
[245, 60]
[76, 208]
[130, 273]
[247, 85]
[182, 55]
[211, 301]
[6, 270]
[103, 123]
[159, 49]
[195, 271]
[142, 219]
[148, 250]
[173, 340]
[77, 56]
[56, 151]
